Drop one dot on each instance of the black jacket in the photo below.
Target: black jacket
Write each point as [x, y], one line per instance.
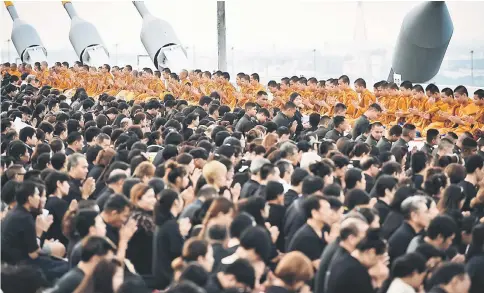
[400, 240]
[400, 143]
[362, 124]
[140, 247]
[282, 120]
[428, 149]
[249, 189]
[293, 220]
[384, 145]
[334, 135]
[167, 245]
[244, 124]
[371, 141]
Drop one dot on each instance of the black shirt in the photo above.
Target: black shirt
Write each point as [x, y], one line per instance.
[276, 218]
[370, 182]
[332, 252]
[219, 253]
[470, 192]
[334, 135]
[18, 235]
[293, 220]
[167, 245]
[308, 242]
[57, 207]
[69, 151]
[103, 197]
[347, 274]
[69, 282]
[74, 191]
[112, 233]
[289, 197]
[213, 285]
[249, 189]
[418, 180]
[362, 124]
[391, 224]
[400, 240]
[384, 145]
[383, 210]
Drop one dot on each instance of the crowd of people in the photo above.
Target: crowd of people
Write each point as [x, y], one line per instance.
[115, 180]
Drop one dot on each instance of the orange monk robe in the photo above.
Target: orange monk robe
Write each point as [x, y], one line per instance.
[416, 108]
[228, 95]
[15, 72]
[244, 95]
[308, 98]
[321, 106]
[207, 87]
[366, 99]
[479, 120]
[157, 86]
[350, 99]
[390, 104]
[43, 77]
[402, 108]
[439, 113]
[466, 114]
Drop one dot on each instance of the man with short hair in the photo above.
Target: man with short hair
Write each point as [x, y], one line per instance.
[432, 139]
[20, 233]
[251, 187]
[362, 124]
[393, 134]
[474, 179]
[285, 117]
[408, 134]
[114, 184]
[416, 216]
[245, 123]
[75, 143]
[376, 133]
[94, 249]
[29, 137]
[341, 125]
[440, 233]
[79, 187]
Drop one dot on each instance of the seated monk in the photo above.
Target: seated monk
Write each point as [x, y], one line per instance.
[255, 84]
[465, 112]
[245, 93]
[441, 110]
[349, 97]
[14, 71]
[366, 97]
[479, 118]
[403, 99]
[390, 103]
[206, 84]
[416, 107]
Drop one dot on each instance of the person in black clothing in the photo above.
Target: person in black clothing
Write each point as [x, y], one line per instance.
[415, 213]
[395, 217]
[22, 278]
[362, 124]
[29, 137]
[94, 249]
[369, 253]
[384, 190]
[418, 164]
[190, 124]
[295, 217]
[309, 239]
[432, 139]
[376, 134]
[408, 134]
[77, 169]
[75, 142]
[474, 178]
[57, 186]
[353, 228]
[140, 247]
[217, 237]
[450, 278]
[274, 195]
[251, 187]
[370, 167]
[245, 123]
[323, 127]
[295, 190]
[114, 184]
[20, 232]
[285, 117]
[340, 126]
[167, 239]
[240, 274]
[115, 214]
[393, 134]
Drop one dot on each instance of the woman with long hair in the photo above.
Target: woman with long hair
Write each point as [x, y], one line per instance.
[140, 248]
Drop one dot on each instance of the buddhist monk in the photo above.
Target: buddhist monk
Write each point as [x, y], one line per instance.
[184, 76]
[366, 97]
[227, 91]
[348, 97]
[479, 101]
[255, 83]
[390, 103]
[441, 110]
[417, 106]
[14, 71]
[465, 112]
[207, 85]
[245, 93]
[402, 102]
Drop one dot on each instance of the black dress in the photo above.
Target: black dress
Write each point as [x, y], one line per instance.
[140, 247]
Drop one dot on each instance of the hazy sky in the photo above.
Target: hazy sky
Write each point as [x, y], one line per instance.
[250, 24]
